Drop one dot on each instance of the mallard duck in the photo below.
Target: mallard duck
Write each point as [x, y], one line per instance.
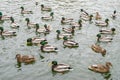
[111, 31]
[69, 30]
[103, 39]
[31, 41]
[60, 68]
[45, 30]
[101, 23]
[24, 11]
[114, 14]
[77, 24]
[27, 59]
[7, 33]
[29, 24]
[69, 43]
[43, 8]
[66, 20]
[60, 36]
[47, 48]
[83, 12]
[13, 24]
[48, 17]
[98, 17]
[100, 68]
[98, 49]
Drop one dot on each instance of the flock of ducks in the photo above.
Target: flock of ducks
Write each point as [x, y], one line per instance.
[65, 33]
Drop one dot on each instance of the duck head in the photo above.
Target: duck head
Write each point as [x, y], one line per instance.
[65, 38]
[51, 14]
[1, 29]
[1, 14]
[37, 27]
[54, 63]
[43, 42]
[22, 8]
[45, 26]
[81, 10]
[12, 19]
[42, 6]
[27, 19]
[29, 42]
[113, 30]
[108, 64]
[79, 21]
[18, 57]
[98, 36]
[58, 31]
[114, 12]
[90, 17]
[106, 21]
[103, 52]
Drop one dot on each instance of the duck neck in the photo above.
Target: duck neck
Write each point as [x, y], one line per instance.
[42, 48]
[58, 36]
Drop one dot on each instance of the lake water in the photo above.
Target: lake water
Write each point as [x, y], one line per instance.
[79, 58]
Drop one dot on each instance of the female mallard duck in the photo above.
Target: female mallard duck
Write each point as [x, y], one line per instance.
[43, 8]
[24, 11]
[69, 30]
[45, 30]
[97, 16]
[7, 33]
[66, 20]
[47, 48]
[69, 43]
[48, 17]
[60, 68]
[13, 24]
[100, 68]
[27, 59]
[4, 17]
[114, 14]
[29, 24]
[31, 41]
[79, 24]
[98, 49]
[101, 23]
[60, 36]
[111, 31]
[103, 39]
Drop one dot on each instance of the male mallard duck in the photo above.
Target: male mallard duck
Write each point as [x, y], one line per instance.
[60, 68]
[47, 48]
[60, 36]
[98, 49]
[25, 12]
[69, 30]
[13, 24]
[66, 20]
[29, 24]
[31, 41]
[43, 8]
[48, 17]
[111, 31]
[27, 59]
[114, 14]
[4, 17]
[101, 23]
[103, 39]
[69, 43]
[100, 68]
[7, 33]
[79, 24]
[98, 17]
[45, 30]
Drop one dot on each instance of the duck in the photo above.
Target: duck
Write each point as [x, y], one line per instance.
[111, 31]
[43, 8]
[100, 68]
[35, 40]
[87, 17]
[45, 30]
[30, 24]
[66, 20]
[98, 49]
[103, 39]
[13, 24]
[24, 11]
[4, 17]
[97, 16]
[60, 68]
[60, 36]
[69, 43]
[83, 13]
[27, 59]
[101, 23]
[48, 17]
[69, 30]
[114, 14]
[77, 24]
[45, 47]
[7, 33]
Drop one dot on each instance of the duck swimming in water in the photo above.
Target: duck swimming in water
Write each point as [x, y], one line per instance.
[98, 49]
[100, 68]
[24, 11]
[102, 24]
[111, 31]
[69, 30]
[44, 8]
[60, 68]
[48, 17]
[13, 24]
[27, 59]
[77, 24]
[66, 20]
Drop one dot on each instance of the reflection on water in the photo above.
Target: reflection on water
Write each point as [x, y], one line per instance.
[79, 58]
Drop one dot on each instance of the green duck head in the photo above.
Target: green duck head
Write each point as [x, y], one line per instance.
[42, 5]
[1, 14]
[43, 43]
[54, 63]
[22, 7]
[12, 19]
[113, 30]
[81, 10]
[52, 13]
[29, 42]
[99, 35]
[106, 20]
[1, 29]
[65, 38]
[45, 25]
[114, 12]
[27, 19]
[63, 18]
[58, 31]
[79, 21]
[37, 26]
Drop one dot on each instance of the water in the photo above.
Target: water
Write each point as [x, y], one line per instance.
[79, 58]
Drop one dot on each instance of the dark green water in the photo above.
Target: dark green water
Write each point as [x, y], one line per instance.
[79, 58]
